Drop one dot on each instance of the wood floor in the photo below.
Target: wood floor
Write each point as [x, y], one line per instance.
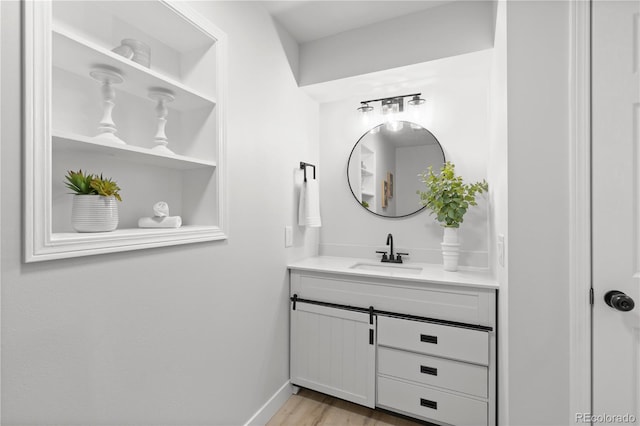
[313, 408]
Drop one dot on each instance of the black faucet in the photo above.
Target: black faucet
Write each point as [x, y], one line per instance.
[390, 243]
[392, 258]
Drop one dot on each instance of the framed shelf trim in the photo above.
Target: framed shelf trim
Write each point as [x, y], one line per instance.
[40, 242]
[71, 244]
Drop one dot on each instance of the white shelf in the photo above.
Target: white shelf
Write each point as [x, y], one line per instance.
[70, 142]
[60, 238]
[71, 244]
[368, 194]
[77, 55]
[366, 172]
[180, 34]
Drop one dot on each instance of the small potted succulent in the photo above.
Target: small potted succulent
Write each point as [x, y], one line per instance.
[94, 206]
[449, 198]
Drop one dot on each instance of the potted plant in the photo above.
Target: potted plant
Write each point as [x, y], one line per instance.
[449, 198]
[94, 206]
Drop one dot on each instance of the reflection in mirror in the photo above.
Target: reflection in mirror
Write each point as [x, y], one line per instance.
[384, 166]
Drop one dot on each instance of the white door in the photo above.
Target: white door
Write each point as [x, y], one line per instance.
[333, 351]
[616, 210]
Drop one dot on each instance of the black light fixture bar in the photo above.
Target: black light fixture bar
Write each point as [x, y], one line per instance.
[391, 98]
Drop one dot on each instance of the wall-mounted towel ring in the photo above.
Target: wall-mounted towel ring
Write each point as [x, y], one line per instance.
[304, 166]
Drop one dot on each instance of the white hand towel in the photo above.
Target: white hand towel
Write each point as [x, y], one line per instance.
[309, 207]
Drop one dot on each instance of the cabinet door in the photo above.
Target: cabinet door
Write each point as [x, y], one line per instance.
[333, 351]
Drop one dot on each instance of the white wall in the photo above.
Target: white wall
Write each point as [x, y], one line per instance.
[448, 30]
[456, 113]
[291, 48]
[194, 334]
[538, 218]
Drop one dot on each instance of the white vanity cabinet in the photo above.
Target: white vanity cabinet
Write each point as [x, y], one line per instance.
[431, 341]
[67, 104]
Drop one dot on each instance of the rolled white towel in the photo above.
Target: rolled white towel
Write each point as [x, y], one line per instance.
[160, 222]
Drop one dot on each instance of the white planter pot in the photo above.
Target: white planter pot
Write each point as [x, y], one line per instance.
[94, 213]
[450, 249]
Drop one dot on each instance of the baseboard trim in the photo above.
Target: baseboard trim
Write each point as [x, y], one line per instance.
[271, 407]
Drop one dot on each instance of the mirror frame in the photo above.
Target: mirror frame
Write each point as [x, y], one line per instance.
[444, 157]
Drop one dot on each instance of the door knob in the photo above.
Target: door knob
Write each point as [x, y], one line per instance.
[619, 301]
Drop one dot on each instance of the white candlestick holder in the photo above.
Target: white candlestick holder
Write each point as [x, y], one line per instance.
[162, 97]
[107, 128]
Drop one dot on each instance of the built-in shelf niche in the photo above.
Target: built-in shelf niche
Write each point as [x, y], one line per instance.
[64, 41]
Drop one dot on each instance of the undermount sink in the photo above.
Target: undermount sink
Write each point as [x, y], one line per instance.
[387, 268]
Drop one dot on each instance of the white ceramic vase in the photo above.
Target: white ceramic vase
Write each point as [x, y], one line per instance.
[94, 213]
[450, 249]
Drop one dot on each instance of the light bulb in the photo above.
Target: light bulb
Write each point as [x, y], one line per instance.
[393, 120]
[366, 119]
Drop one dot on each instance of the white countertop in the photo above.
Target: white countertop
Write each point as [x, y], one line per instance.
[470, 277]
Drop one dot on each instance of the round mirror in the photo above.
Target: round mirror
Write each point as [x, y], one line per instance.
[384, 166]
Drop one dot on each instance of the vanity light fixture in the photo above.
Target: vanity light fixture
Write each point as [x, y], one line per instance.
[390, 108]
[392, 103]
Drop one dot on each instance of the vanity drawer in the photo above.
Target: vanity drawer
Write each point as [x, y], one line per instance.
[433, 339]
[453, 375]
[428, 403]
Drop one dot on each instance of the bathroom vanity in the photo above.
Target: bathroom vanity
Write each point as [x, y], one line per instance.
[408, 338]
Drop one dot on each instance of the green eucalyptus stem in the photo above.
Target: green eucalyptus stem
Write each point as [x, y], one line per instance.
[447, 196]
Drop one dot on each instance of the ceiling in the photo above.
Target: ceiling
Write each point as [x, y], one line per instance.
[309, 20]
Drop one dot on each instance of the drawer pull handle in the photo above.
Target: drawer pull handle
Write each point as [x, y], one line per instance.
[428, 404]
[428, 370]
[428, 339]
